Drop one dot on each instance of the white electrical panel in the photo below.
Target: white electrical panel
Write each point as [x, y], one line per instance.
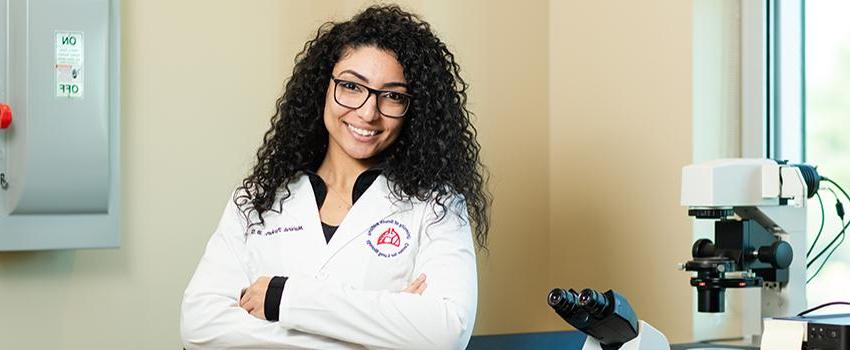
[59, 148]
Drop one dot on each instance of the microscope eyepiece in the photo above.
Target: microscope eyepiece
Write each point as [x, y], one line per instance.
[607, 317]
[593, 302]
[556, 296]
[563, 301]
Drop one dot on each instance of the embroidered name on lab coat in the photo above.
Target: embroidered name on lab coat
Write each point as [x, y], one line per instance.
[275, 231]
[388, 238]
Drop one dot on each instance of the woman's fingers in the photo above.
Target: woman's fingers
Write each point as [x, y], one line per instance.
[421, 288]
[248, 303]
[247, 298]
[416, 285]
[253, 298]
[244, 300]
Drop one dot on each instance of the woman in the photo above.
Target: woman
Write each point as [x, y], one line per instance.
[355, 227]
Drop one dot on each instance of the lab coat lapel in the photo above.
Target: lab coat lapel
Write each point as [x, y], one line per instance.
[375, 204]
[301, 207]
[301, 204]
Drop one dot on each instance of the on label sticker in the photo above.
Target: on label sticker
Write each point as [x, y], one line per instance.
[69, 64]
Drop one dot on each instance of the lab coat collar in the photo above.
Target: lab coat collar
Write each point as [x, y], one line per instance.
[375, 204]
[364, 180]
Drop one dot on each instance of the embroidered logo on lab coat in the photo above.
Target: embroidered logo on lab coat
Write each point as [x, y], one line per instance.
[388, 238]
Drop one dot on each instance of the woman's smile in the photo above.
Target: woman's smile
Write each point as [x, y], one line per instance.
[362, 134]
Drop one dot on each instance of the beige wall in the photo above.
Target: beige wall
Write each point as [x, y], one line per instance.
[504, 50]
[620, 102]
[583, 112]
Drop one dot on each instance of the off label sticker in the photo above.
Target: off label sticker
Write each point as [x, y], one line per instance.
[69, 64]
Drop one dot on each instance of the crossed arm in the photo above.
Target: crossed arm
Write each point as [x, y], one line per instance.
[254, 297]
[436, 314]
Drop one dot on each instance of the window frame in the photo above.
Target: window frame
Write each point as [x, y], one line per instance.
[773, 104]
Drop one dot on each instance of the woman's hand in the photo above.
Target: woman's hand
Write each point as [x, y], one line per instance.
[254, 298]
[417, 286]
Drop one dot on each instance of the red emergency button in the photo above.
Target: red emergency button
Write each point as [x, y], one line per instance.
[5, 116]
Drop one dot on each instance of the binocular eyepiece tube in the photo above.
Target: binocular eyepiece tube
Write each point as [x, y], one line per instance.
[607, 317]
[569, 302]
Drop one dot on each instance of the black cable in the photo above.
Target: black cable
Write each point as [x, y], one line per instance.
[842, 234]
[821, 306]
[839, 211]
[820, 230]
[839, 208]
[719, 340]
[828, 246]
[824, 178]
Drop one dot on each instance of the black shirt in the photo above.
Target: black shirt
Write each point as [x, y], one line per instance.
[320, 189]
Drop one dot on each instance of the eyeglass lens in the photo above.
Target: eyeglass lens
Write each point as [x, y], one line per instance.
[354, 95]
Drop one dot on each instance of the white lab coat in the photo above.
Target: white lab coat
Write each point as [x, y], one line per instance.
[344, 294]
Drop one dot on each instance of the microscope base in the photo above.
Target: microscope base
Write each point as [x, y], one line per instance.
[648, 338]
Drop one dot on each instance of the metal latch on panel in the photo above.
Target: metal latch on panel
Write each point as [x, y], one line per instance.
[5, 116]
[5, 122]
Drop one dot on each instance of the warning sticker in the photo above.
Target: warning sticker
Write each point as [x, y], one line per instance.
[69, 64]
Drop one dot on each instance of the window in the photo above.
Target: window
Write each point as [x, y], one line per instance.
[826, 137]
[808, 120]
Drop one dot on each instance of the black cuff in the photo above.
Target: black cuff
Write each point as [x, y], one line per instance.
[273, 294]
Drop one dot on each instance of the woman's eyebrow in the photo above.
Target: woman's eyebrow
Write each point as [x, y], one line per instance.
[394, 84]
[358, 75]
[366, 80]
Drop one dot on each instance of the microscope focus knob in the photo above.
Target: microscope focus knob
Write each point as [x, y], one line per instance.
[703, 248]
[778, 254]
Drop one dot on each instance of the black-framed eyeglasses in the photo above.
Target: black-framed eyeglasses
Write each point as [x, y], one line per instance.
[392, 104]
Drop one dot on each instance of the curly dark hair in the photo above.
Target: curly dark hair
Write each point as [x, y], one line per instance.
[436, 154]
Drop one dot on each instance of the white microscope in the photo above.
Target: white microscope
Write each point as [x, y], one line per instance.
[759, 208]
[608, 320]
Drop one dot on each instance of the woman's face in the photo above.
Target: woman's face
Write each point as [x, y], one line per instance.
[362, 133]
